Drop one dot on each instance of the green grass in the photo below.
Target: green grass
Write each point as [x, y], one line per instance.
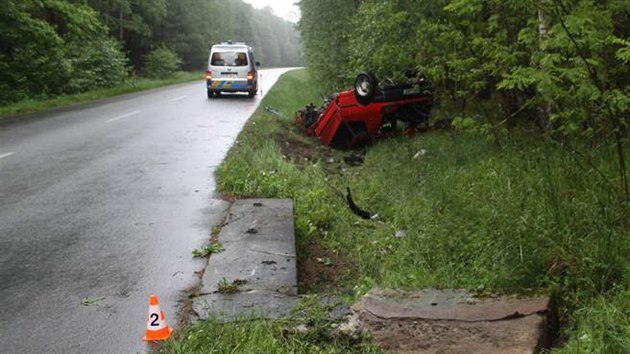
[247, 335]
[131, 85]
[227, 287]
[522, 216]
[213, 247]
[602, 327]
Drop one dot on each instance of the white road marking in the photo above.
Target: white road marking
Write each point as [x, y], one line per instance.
[122, 116]
[6, 155]
[178, 98]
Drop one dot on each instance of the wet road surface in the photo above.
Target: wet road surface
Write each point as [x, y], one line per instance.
[101, 206]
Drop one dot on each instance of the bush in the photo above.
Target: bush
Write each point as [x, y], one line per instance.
[96, 64]
[161, 63]
[52, 48]
[33, 70]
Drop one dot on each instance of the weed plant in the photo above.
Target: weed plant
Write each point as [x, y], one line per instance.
[226, 287]
[213, 247]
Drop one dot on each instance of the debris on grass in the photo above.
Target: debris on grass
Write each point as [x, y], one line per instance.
[274, 112]
[325, 261]
[420, 153]
[354, 159]
[355, 209]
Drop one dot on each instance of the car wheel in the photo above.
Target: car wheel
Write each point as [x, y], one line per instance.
[364, 87]
[251, 94]
[210, 94]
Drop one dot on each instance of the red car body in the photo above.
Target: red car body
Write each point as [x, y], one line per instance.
[345, 122]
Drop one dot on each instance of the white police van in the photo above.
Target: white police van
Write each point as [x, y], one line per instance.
[231, 68]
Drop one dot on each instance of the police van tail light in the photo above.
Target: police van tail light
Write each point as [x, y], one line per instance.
[250, 75]
[208, 75]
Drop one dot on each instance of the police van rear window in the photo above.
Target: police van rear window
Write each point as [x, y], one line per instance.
[229, 59]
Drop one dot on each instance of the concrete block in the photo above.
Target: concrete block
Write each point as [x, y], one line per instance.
[259, 242]
[455, 321]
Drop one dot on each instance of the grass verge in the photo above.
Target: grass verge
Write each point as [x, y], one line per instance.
[516, 215]
[308, 330]
[131, 85]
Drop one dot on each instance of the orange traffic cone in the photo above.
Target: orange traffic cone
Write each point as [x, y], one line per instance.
[157, 329]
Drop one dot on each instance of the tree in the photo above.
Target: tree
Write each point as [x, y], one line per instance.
[564, 63]
[39, 55]
[134, 23]
[325, 26]
[53, 47]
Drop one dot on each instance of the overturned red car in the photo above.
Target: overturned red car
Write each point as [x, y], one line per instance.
[368, 111]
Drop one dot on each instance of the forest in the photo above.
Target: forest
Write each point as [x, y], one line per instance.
[563, 66]
[56, 47]
[546, 85]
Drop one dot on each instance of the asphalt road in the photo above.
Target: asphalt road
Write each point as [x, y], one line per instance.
[101, 206]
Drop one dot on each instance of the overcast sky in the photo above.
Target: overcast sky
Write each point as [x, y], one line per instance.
[282, 8]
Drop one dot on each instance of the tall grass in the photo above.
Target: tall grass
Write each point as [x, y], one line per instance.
[602, 326]
[525, 216]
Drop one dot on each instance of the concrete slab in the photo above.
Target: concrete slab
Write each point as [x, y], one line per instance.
[455, 321]
[260, 255]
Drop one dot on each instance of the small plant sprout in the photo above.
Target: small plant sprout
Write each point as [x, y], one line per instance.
[214, 247]
[227, 287]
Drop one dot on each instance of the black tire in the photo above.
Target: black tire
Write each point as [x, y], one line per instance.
[251, 94]
[210, 94]
[364, 87]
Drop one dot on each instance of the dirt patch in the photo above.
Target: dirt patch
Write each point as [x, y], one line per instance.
[321, 270]
[454, 321]
[311, 152]
[432, 337]
[296, 150]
